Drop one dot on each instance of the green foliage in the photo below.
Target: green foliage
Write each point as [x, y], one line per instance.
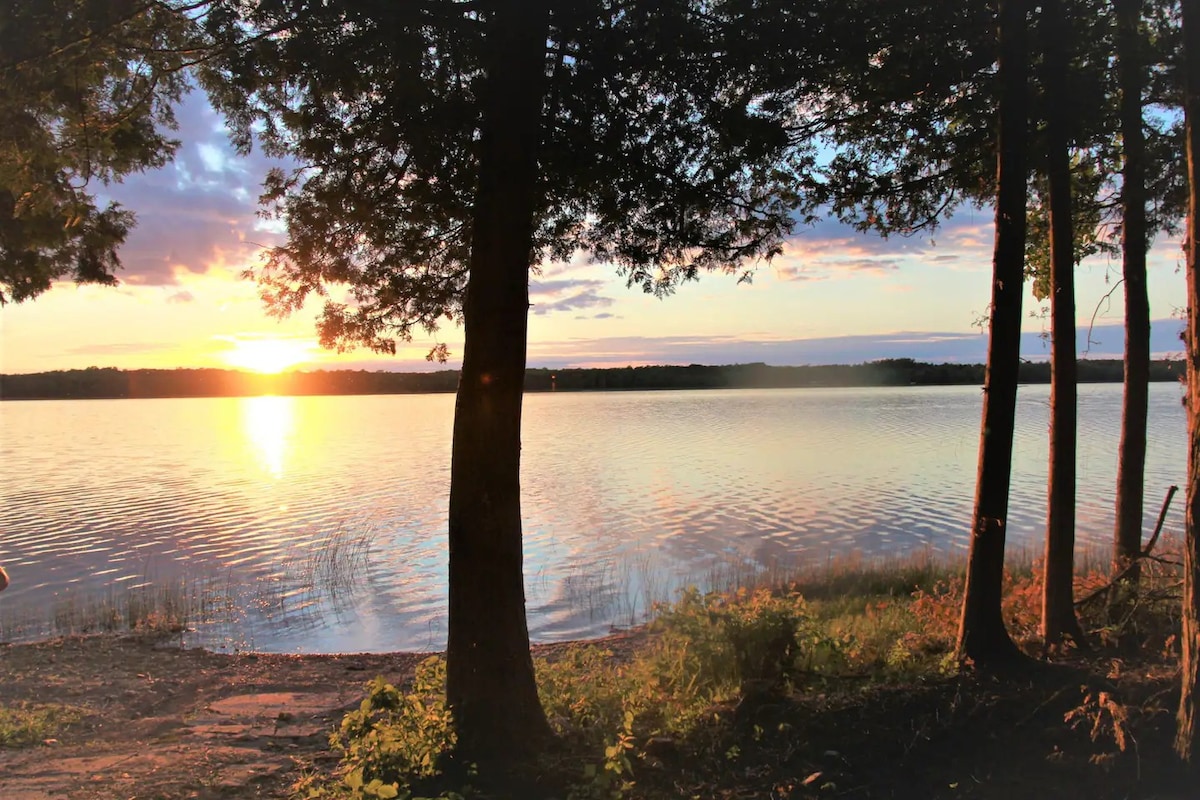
[392, 741]
[611, 779]
[86, 88]
[704, 659]
[752, 642]
[1088, 239]
[707, 649]
[25, 724]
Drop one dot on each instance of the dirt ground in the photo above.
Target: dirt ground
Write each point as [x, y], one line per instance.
[164, 723]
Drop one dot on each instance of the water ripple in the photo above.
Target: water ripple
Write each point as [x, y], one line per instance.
[624, 496]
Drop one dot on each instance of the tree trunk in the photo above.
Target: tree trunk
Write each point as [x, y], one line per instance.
[490, 683]
[1187, 740]
[1058, 609]
[1127, 535]
[982, 636]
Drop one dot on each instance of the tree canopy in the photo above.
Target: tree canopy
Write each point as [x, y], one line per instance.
[662, 152]
[86, 94]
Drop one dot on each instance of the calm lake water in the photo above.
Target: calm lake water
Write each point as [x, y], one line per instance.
[268, 502]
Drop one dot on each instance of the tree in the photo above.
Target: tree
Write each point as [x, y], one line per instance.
[660, 150]
[982, 636]
[1058, 609]
[86, 88]
[1131, 461]
[1187, 740]
[490, 682]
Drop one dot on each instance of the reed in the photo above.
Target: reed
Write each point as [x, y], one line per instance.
[208, 604]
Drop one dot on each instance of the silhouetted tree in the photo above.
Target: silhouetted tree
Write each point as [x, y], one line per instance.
[982, 636]
[1131, 460]
[489, 682]
[1058, 610]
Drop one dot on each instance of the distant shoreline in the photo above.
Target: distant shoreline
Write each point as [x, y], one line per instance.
[114, 384]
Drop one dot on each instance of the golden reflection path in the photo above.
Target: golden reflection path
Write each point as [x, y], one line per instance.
[268, 423]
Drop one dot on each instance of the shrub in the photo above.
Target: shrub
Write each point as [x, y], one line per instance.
[392, 740]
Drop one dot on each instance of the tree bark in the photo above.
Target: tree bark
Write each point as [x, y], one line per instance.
[1131, 461]
[1058, 607]
[982, 636]
[490, 683]
[1187, 740]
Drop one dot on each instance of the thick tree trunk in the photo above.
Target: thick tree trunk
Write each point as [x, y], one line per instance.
[1131, 463]
[1187, 740]
[982, 636]
[490, 682]
[1058, 609]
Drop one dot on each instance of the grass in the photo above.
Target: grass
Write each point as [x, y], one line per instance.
[727, 678]
[26, 724]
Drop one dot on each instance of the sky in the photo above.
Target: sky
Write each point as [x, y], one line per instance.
[833, 296]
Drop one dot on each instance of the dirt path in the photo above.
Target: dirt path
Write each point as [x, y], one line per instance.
[162, 722]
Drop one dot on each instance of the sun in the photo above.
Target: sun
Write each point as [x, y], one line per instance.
[267, 356]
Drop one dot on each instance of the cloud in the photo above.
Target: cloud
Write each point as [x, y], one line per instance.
[579, 261]
[796, 273]
[550, 296]
[197, 212]
[879, 266]
[935, 346]
[181, 297]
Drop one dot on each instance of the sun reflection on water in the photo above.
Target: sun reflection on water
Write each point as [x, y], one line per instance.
[268, 422]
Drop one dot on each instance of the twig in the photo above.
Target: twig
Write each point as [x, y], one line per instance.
[1096, 311]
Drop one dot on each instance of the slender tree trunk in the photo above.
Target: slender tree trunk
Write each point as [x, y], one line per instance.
[1058, 609]
[1187, 740]
[490, 682]
[1131, 463]
[982, 636]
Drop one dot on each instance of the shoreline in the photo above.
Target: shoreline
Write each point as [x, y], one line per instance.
[115, 384]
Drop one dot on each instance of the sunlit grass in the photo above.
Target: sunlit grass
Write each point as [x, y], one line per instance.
[25, 724]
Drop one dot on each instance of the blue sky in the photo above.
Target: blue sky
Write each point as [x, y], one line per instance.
[834, 296]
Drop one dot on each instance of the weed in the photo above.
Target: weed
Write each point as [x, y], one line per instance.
[391, 741]
[26, 724]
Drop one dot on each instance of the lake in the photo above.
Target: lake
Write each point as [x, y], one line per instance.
[319, 522]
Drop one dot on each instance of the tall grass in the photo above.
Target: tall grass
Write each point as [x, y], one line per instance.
[210, 605]
[628, 591]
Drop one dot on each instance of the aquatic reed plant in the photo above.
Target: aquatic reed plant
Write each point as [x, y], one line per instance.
[210, 603]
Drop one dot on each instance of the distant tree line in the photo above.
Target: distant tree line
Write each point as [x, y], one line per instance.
[97, 383]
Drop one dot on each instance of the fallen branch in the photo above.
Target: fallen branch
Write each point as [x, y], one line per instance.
[1145, 555]
[1162, 516]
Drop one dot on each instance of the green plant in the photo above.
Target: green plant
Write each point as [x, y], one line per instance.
[748, 642]
[391, 741]
[586, 709]
[25, 724]
[612, 779]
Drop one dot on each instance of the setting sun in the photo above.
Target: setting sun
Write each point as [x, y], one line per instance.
[268, 356]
